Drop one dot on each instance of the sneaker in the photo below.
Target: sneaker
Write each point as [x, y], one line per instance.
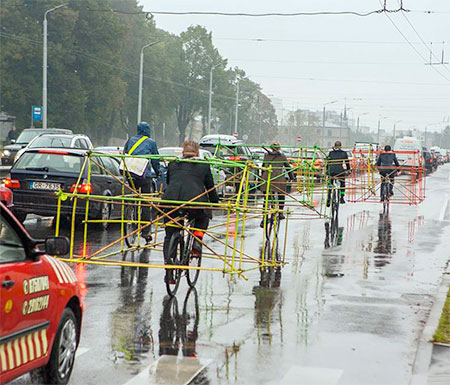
[342, 200]
[261, 224]
[281, 216]
[196, 249]
[328, 203]
[391, 193]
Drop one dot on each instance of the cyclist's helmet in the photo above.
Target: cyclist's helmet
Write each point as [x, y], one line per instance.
[387, 147]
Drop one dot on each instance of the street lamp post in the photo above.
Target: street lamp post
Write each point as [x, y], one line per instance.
[378, 130]
[141, 76]
[236, 108]
[323, 121]
[357, 124]
[398, 121]
[44, 66]
[210, 97]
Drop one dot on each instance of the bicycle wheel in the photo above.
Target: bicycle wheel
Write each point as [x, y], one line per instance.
[175, 251]
[131, 216]
[335, 203]
[190, 320]
[193, 261]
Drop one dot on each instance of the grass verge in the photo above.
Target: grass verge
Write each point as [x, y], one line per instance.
[443, 331]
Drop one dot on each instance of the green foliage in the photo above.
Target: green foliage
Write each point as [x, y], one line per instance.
[93, 68]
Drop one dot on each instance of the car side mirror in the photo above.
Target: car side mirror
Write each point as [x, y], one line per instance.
[57, 245]
[12, 141]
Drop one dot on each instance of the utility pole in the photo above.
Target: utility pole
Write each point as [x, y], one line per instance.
[141, 76]
[44, 66]
[210, 97]
[236, 108]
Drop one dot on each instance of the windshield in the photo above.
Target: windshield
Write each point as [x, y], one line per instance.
[51, 141]
[37, 161]
[26, 136]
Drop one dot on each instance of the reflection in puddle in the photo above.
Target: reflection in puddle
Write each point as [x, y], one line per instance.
[132, 335]
[383, 247]
[179, 330]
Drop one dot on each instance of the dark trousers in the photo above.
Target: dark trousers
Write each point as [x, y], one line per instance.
[341, 179]
[391, 175]
[201, 221]
[145, 186]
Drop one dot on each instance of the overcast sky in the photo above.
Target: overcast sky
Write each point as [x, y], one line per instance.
[308, 61]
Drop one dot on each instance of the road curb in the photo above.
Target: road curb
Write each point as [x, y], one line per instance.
[424, 350]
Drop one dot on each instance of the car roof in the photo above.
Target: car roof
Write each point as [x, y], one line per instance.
[65, 150]
[223, 139]
[47, 130]
[62, 135]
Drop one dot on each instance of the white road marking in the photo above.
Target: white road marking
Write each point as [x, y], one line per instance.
[170, 370]
[311, 376]
[444, 208]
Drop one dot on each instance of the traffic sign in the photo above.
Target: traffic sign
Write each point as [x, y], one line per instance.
[299, 138]
[37, 113]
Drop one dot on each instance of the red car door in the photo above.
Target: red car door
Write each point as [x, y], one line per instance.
[24, 304]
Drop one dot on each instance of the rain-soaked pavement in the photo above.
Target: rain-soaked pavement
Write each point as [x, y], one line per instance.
[343, 311]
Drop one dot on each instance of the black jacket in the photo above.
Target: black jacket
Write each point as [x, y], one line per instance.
[387, 160]
[186, 180]
[335, 161]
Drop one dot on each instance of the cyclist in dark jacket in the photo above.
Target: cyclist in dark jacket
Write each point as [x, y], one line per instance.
[335, 169]
[186, 181]
[387, 164]
[145, 185]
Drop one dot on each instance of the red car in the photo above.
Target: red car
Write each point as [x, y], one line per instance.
[40, 306]
[6, 196]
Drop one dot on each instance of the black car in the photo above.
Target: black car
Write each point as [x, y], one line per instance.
[26, 136]
[39, 173]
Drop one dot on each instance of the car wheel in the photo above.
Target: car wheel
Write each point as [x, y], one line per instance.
[62, 358]
[105, 214]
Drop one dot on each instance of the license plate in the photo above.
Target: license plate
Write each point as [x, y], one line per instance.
[45, 186]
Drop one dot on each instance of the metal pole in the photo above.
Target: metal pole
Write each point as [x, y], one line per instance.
[378, 132]
[44, 76]
[323, 127]
[44, 66]
[141, 76]
[210, 99]
[236, 109]
[357, 125]
[394, 132]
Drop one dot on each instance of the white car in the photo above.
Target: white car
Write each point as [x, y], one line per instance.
[218, 175]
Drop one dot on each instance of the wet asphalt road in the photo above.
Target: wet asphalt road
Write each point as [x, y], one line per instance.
[347, 314]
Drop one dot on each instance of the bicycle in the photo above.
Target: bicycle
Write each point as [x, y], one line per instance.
[180, 253]
[273, 220]
[133, 215]
[386, 188]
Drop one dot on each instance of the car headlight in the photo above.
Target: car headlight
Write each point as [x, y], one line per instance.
[6, 153]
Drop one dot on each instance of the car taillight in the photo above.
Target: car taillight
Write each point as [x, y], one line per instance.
[53, 152]
[11, 183]
[235, 158]
[84, 188]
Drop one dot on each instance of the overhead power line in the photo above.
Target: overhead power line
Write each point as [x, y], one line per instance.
[264, 40]
[266, 14]
[413, 47]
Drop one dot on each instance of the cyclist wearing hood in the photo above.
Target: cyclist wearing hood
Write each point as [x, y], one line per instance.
[146, 147]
